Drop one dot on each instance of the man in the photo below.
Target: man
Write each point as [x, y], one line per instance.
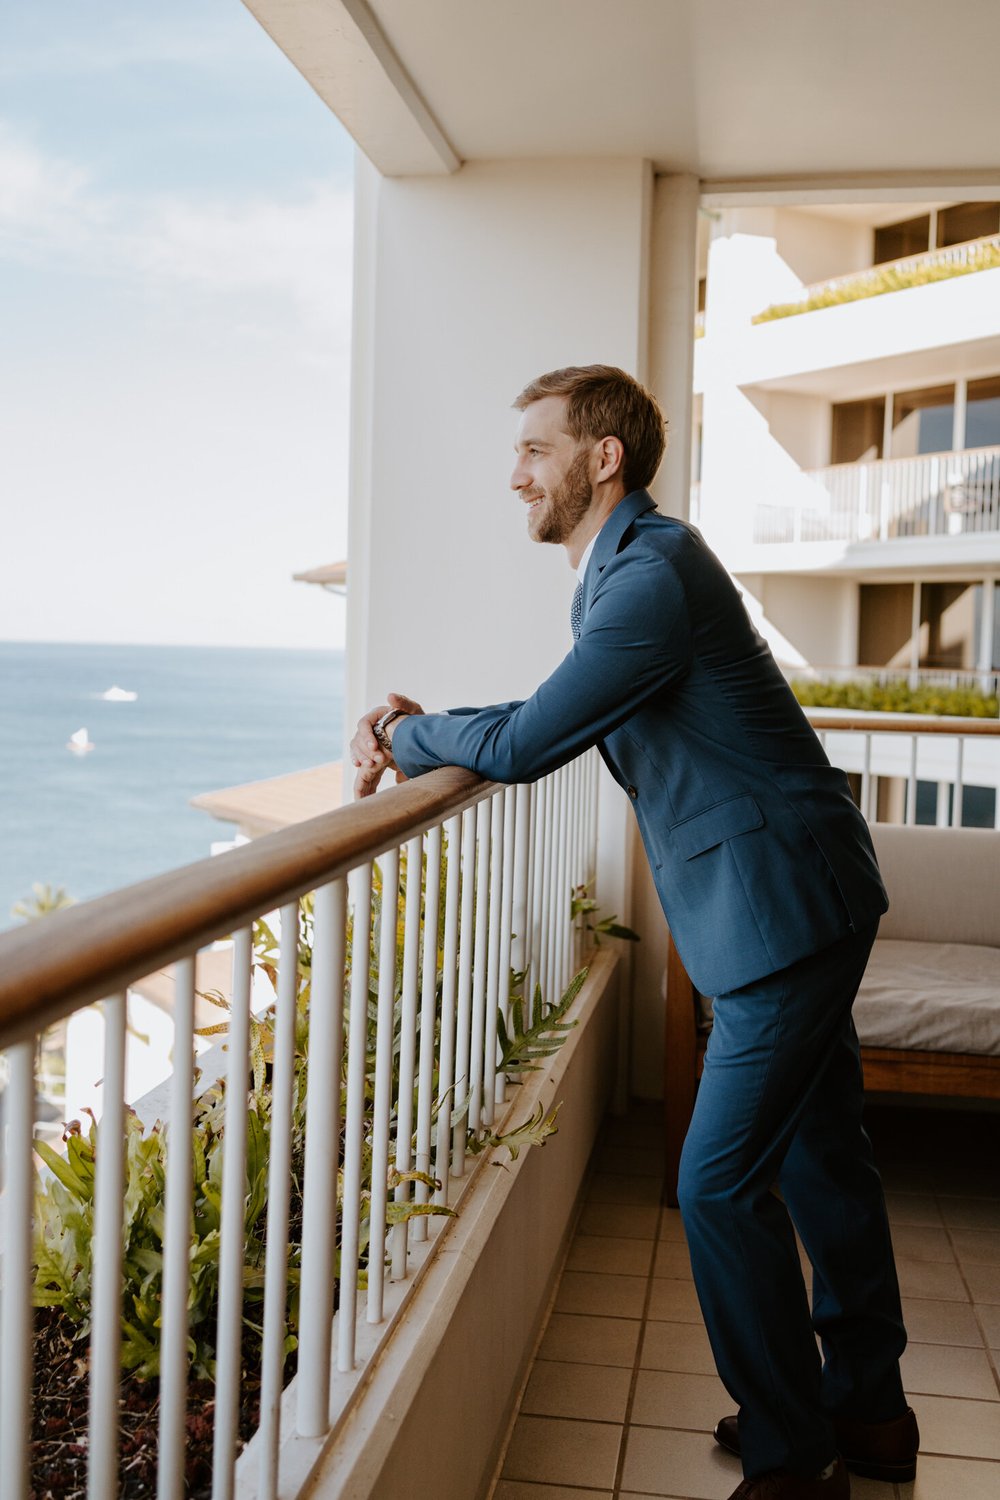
[768, 879]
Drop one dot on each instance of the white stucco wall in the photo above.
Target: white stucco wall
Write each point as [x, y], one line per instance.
[466, 288]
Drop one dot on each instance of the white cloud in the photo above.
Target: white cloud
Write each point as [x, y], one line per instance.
[53, 213]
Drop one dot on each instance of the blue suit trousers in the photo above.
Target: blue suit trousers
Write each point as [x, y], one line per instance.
[777, 1140]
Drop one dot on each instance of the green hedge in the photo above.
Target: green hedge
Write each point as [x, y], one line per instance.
[886, 279]
[897, 698]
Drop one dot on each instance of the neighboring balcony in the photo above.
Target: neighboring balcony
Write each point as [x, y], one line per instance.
[935, 494]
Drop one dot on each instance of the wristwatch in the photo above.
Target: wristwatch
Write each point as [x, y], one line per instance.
[379, 727]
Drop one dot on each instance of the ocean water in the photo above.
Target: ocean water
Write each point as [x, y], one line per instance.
[204, 718]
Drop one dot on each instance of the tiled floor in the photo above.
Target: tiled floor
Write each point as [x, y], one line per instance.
[623, 1393]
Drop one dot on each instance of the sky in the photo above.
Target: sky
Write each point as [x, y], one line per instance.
[175, 287]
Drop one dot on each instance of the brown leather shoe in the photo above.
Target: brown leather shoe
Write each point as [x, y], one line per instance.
[780, 1485]
[874, 1450]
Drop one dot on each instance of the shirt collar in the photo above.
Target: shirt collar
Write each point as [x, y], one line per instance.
[585, 559]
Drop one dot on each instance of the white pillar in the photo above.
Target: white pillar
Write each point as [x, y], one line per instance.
[915, 635]
[673, 303]
[958, 417]
[987, 624]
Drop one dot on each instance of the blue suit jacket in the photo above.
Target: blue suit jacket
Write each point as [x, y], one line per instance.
[759, 855]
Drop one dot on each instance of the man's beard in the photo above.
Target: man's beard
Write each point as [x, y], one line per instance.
[565, 506]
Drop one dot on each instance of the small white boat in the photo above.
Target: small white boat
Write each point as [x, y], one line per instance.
[117, 694]
[80, 742]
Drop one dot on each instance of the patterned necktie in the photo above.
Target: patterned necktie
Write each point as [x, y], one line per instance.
[576, 612]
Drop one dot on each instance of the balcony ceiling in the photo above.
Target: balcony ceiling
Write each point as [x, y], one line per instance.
[864, 91]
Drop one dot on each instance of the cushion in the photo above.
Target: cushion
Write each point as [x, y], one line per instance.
[930, 997]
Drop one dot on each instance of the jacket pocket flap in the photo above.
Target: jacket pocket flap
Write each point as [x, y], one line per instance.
[723, 821]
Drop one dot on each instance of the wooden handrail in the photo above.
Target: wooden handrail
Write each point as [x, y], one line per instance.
[84, 953]
[873, 722]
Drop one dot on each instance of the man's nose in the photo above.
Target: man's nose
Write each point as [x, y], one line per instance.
[519, 479]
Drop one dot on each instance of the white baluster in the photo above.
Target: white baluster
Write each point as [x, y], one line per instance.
[382, 1104]
[278, 1195]
[449, 1007]
[176, 1244]
[15, 1297]
[408, 1041]
[228, 1355]
[106, 1332]
[319, 1197]
[361, 898]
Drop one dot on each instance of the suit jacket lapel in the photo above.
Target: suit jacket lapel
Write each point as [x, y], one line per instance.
[610, 538]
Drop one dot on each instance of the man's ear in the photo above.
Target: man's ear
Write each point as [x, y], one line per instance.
[611, 458]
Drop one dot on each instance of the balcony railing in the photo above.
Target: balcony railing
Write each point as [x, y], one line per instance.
[935, 494]
[892, 276]
[425, 899]
[945, 678]
[949, 752]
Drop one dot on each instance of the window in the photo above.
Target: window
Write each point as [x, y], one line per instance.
[910, 237]
[967, 221]
[923, 421]
[856, 433]
[982, 417]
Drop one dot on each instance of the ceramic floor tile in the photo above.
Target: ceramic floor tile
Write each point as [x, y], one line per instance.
[936, 1370]
[977, 1246]
[961, 1429]
[672, 1225]
[591, 1341]
[950, 1479]
[624, 1220]
[611, 1187]
[610, 1254]
[552, 1451]
[661, 1461]
[664, 1399]
[672, 1260]
[674, 1302]
[912, 1208]
[870, 1489]
[970, 1213]
[921, 1242]
[677, 1346]
[931, 1322]
[516, 1489]
[989, 1318]
[601, 1295]
[926, 1278]
[594, 1393]
[983, 1282]
[631, 1161]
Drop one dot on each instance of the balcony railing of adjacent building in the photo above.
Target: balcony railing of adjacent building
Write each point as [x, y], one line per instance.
[897, 275]
[935, 494]
[950, 753]
[424, 900]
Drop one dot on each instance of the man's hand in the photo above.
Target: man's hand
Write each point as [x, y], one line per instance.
[367, 755]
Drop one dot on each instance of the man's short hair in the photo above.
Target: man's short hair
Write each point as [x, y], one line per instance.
[602, 401]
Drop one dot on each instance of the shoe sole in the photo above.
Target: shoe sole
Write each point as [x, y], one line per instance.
[887, 1473]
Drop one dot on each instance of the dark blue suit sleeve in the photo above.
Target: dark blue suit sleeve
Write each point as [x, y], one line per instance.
[636, 640]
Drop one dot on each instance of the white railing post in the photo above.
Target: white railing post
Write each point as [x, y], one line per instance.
[176, 1243]
[319, 1196]
[449, 1016]
[357, 1035]
[106, 1332]
[493, 976]
[233, 1226]
[278, 1198]
[463, 1029]
[15, 1298]
[514, 834]
[408, 1036]
[382, 1103]
[428, 1016]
